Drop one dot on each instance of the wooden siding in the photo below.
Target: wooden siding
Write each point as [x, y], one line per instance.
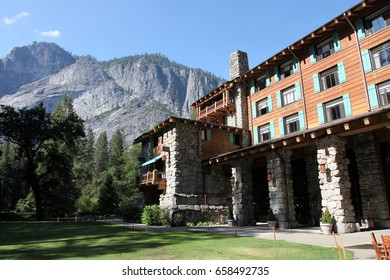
[219, 143]
[353, 86]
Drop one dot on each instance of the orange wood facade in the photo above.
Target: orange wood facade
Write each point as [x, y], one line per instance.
[346, 58]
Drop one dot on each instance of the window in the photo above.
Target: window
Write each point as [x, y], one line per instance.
[377, 20]
[329, 78]
[288, 95]
[262, 107]
[285, 69]
[291, 123]
[384, 93]
[264, 132]
[235, 139]
[381, 55]
[260, 83]
[324, 49]
[334, 110]
[206, 134]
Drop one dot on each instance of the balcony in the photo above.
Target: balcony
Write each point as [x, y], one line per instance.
[155, 177]
[216, 109]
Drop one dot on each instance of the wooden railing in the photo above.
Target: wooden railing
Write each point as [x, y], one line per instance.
[213, 108]
[152, 177]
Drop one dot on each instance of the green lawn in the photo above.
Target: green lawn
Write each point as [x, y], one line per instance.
[70, 240]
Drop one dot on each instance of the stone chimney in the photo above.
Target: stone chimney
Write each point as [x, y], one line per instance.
[238, 64]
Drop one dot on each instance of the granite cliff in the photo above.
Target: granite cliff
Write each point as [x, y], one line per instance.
[130, 93]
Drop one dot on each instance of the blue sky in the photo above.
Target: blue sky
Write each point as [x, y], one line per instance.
[198, 33]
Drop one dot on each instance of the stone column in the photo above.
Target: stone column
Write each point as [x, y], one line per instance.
[280, 188]
[242, 193]
[371, 179]
[334, 182]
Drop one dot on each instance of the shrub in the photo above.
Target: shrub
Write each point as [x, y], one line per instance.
[271, 216]
[326, 217]
[151, 215]
[86, 205]
[26, 204]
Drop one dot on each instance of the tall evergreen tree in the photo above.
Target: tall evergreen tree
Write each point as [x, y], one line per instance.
[117, 148]
[108, 197]
[101, 159]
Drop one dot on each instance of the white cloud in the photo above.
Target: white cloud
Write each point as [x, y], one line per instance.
[12, 20]
[51, 33]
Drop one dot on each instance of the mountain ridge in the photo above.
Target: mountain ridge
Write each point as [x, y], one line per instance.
[131, 93]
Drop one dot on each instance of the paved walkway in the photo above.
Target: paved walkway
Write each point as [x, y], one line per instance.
[358, 242]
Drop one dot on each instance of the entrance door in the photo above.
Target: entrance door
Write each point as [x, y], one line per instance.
[355, 187]
[260, 193]
[301, 196]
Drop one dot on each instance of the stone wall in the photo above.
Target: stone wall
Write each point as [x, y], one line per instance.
[281, 191]
[243, 210]
[335, 184]
[371, 180]
[183, 168]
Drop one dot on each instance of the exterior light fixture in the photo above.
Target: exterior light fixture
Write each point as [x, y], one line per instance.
[232, 180]
[322, 167]
[269, 175]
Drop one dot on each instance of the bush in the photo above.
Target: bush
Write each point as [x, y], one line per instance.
[26, 204]
[178, 219]
[86, 205]
[151, 215]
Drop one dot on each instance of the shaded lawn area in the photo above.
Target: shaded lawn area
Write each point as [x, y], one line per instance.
[90, 240]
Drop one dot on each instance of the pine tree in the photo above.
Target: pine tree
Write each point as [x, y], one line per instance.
[108, 197]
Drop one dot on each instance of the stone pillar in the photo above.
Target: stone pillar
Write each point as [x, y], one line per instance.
[371, 179]
[280, 188]
[313, 188]
[238, 64]
[335, 184]
[242, 193]
[238, 67]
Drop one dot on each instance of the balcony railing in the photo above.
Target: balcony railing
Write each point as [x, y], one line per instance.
[215, 107]
[154, 177]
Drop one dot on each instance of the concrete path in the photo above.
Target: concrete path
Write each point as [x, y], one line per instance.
[358, 242]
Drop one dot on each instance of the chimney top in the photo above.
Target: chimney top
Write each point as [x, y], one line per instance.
[238, 64]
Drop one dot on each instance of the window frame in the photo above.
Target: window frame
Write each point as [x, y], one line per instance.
[282, 74]
[385, 94]
[375, 55]
[261, 129]
[328, 109]
[288, 92]
[368, 20]
[258, 111]
[206, 134]
[327, 73]
[261, 82]
[294, 118]
[318, 49]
